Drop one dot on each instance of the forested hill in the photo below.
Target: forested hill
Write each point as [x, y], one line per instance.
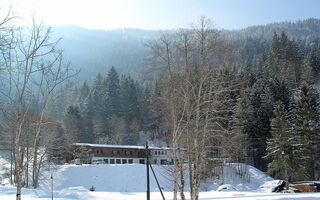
[301, 28]
[96, 50]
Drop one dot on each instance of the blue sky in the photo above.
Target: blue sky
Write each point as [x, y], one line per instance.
[164, 14]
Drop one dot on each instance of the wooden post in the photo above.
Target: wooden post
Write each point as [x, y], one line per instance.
[147, 166]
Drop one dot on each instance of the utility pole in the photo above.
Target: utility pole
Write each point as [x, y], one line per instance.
[147, 166]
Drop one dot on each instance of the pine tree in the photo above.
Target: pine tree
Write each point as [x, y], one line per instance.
[313, 61]
[273, 61]
[128, 98]
[111, 93]
[223, 105]
[305, 123]
[280, 145]
[95, 104]
[75, 124]
[261, 124]
[242, 122]
[284, 61]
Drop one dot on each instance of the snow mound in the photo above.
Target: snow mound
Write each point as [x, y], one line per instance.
[107, 178]
[270, 185]
[226, 187]
[132, 178]
[241, 176]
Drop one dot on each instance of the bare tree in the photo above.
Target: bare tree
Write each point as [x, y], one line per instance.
[35, 72]
[163, 59]
[187, 61]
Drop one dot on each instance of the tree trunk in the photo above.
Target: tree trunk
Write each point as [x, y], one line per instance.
[181, 161]
[175, 172]
[18, 162]
[35, 170]
[35, 175]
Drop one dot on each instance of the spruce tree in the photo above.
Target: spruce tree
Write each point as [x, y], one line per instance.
[313, 61]
[111, 93]
[95, 104]
[279, 147]
[305, 123]
[242, 122]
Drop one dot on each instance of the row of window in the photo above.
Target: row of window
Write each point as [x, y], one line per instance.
[116, 161]
[114, 152]
[117, 152]
[160, 152]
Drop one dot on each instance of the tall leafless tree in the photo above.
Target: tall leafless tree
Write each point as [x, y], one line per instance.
[34, 72]
[187, 61]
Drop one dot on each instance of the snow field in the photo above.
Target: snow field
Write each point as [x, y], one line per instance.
[122, 182]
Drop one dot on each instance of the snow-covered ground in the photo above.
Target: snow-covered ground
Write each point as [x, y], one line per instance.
[80, 193]
[116, 182]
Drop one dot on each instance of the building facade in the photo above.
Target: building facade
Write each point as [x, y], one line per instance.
[123, 154]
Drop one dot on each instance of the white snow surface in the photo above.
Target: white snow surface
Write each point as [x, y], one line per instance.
[117, 182]
[107, 178]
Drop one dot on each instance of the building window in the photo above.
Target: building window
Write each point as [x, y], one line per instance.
[141, 161]
[124, 161]
[111, 161]
[130, 161]
[128, 152]
[99, 151]
[115, 152]
[155, 152]
[118, 161]
[163, 162]
[106, 161]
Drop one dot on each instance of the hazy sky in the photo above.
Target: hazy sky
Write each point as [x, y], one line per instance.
[164, 14]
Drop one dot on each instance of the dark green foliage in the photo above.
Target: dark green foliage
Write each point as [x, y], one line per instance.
[110, 111]
[242, 122]
[259, 131]
[313, 61]
[111, 93]
[59, 146]
[129, 106]
[76, 125]
[305, 128]
[280, 145]
[284, 61]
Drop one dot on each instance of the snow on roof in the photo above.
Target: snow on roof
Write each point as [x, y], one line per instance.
[117, 146]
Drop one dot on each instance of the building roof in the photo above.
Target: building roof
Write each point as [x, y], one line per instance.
[117, 146]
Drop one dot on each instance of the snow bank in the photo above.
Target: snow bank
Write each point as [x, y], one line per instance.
[108, 178]
[132, 178]
[242, 177]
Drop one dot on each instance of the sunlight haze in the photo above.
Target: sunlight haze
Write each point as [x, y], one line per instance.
[165, 14]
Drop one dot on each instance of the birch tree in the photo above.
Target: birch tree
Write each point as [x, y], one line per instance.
[186, 61]
[34, 69]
